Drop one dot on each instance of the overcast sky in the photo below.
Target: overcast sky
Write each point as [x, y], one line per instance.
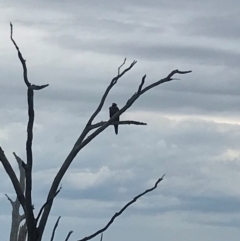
[193, 130]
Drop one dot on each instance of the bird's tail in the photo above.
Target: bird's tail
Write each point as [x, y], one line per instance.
[116, 129]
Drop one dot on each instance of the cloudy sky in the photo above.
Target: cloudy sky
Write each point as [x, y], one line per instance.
[193, 130]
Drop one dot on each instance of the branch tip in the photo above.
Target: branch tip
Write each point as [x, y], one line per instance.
[54, 228]
[9, 199]
[46, 203]
[142, 83]
[122, 210]
[119, 68]
[68, 236]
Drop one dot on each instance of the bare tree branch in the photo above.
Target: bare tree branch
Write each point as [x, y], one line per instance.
[46, 203]
[21, 171]
[101, 237]
[16, 217]
[123, 109]
[28, 192]
[119, 68]
[122, 210]
[35, 233]
[142, 83]
[31, 224]
[126, 122]
[55, 227]
[161, 81]
[68, 236]
[38, 87]
[9, 199]
[82, 141]
[113, 82]
[8, 168]
[23, 61]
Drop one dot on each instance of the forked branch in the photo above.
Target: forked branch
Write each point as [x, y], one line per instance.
[21, 165]
[8, 168]
[82, 141]
[122, 210]
[9, 199]
[112, 83]
[23, 61]
[127, 106]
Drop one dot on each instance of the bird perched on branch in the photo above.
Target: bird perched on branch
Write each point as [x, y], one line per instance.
[112, 111]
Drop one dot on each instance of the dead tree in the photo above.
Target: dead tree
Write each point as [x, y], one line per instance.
[36, 225]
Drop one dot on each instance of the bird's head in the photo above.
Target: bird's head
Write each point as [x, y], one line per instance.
[114, 104]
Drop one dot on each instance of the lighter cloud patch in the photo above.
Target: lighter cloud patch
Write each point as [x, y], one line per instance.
[215, 219]
[161, 144]
[229, 155]
[122, 190]
[158, 119]
[13, 129]
[94, 179]
[4, 135]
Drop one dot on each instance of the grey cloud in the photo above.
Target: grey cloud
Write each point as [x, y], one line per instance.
[210, 204]
[161, 52]
[76, 49]
[233, 223]
[223, 26]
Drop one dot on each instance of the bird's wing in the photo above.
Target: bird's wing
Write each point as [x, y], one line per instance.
[115, 111]
[111, 112]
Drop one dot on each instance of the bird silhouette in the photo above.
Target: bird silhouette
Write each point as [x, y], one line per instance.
[112, 111]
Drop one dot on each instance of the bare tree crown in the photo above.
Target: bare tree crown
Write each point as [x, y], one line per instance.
[23, 187]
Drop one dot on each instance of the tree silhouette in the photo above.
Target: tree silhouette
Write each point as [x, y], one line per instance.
[36, 225]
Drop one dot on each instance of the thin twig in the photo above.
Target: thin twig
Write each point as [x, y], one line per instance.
[46, 203]
[55, 227]
[68, 236]
[161, 81]
[101, 237]
[142, 83]
[122, 210]
[119, 68]
[38, 87]
[9, 199]
[23, 61]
